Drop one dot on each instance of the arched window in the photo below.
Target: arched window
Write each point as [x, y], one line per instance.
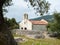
[25, 28]
[21, 28]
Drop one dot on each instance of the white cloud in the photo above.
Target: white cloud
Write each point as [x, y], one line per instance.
[55, 5]
[20, 7]
[20, 3]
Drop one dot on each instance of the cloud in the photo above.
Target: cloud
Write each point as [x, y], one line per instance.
[20, 3]
[20, 7]
[55, 5]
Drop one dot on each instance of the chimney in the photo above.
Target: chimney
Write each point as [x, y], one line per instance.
[25, 16]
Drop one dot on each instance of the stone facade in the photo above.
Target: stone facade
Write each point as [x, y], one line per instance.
[39, 27]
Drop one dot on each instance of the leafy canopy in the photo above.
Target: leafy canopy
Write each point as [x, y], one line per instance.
[5, 4]
[41, 6]
[55, 26]
[11, 23]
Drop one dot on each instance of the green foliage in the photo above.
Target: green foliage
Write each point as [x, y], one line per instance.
[5, 4]
[57, 17]
[55, 26]
[41, 6]
[11, 23]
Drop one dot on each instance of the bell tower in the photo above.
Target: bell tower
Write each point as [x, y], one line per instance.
[25, 16]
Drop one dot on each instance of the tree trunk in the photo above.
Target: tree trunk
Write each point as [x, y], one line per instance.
[1, 19]
[6, 37]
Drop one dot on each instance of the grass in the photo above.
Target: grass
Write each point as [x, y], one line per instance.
[41, 42]
[38, 41]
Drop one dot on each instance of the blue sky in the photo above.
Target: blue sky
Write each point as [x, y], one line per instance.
[20, 7]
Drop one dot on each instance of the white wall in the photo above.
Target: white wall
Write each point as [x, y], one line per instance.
[25, 24]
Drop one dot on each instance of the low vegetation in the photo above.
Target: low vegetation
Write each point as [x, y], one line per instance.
[31, 41]
[41, 42]
[11, 23]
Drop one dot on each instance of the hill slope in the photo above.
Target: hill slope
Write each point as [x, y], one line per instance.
[47, 17]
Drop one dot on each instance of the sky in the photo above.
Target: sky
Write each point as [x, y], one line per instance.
[20, 7]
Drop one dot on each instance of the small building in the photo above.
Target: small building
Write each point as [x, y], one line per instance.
[27, 24]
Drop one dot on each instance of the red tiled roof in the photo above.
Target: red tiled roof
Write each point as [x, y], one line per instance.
[40, 22]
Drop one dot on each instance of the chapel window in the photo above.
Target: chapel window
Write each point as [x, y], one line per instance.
[25, 28]
[22, 28]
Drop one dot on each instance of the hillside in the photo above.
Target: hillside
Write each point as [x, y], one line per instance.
[49, 18]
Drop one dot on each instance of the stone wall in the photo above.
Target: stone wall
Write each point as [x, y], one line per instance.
[31, 32]
[39, 27]
[18, 31]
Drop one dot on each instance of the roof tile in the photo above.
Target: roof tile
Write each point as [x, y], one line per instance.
[39, 22]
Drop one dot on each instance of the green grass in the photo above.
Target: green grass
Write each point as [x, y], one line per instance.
[39, 41]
